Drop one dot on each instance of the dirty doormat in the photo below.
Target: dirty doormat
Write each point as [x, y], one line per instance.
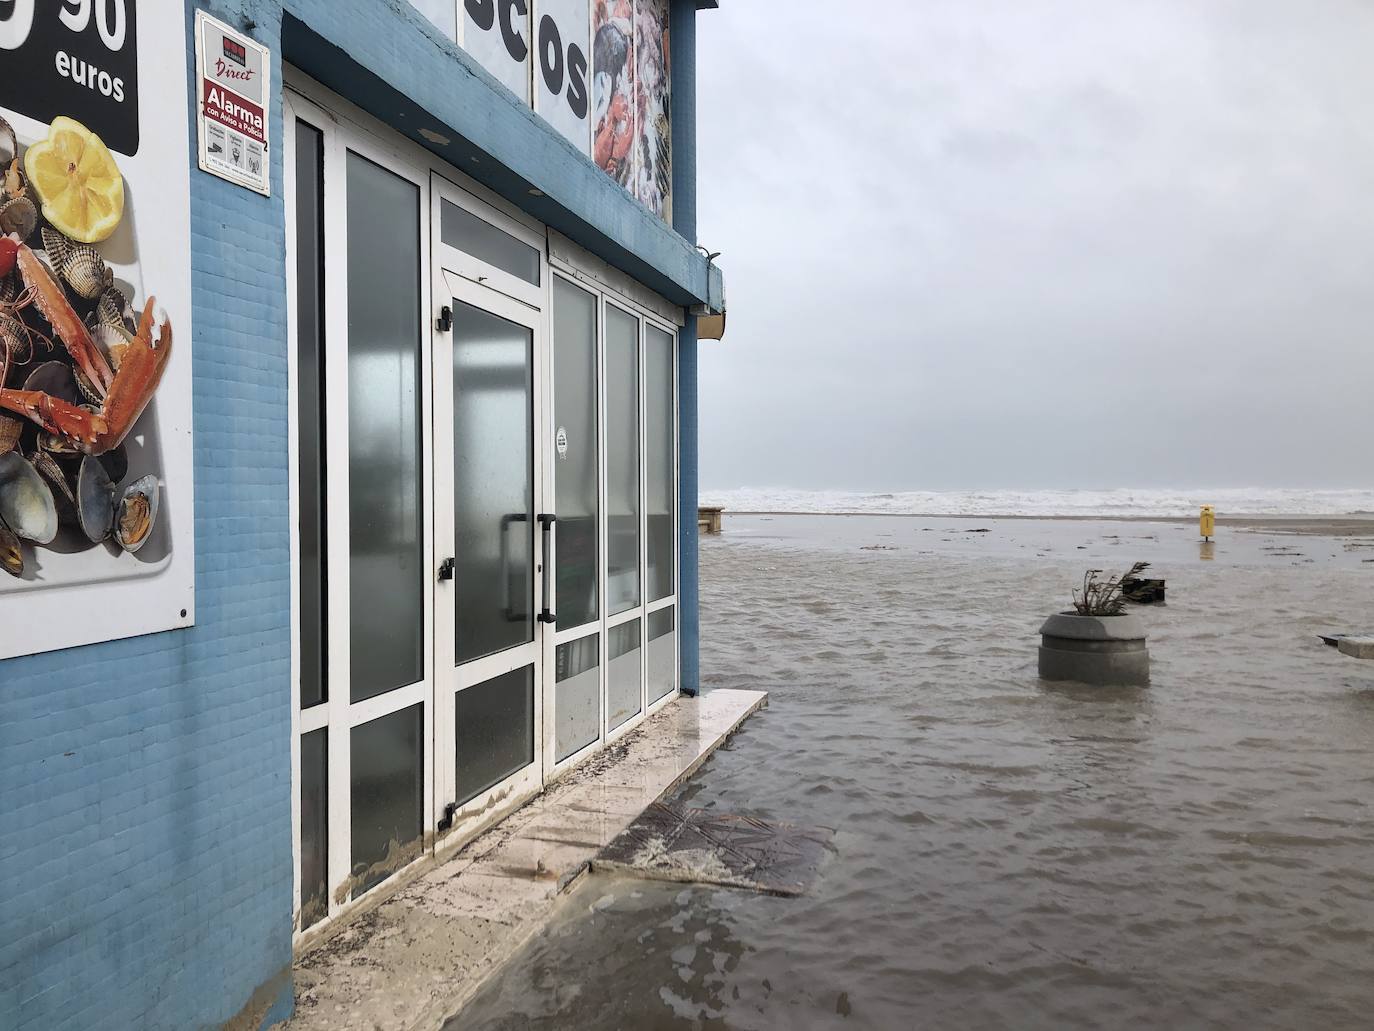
[674, 843]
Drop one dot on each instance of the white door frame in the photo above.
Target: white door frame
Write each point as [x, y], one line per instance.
[338, 713]
[463, 278]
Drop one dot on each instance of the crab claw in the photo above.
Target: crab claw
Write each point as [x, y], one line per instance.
[51, 301]
[83, 428]
[140, 371]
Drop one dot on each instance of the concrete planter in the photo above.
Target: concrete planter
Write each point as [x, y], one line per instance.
[1094, 649]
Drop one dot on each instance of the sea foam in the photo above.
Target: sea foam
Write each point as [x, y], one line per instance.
[1121, 501]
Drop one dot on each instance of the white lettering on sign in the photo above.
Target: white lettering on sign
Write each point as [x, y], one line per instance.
[16, 25]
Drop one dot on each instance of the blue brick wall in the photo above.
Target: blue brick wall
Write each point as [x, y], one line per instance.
[145, 806]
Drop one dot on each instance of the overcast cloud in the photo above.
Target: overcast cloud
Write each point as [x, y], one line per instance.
[1039, 243]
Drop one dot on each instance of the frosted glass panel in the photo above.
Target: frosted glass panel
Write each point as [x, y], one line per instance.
[622, 460]
[387, 764]
[494, 730]
[459, 228]
[662, 654]
[659, 461]
[310, 484]
[575, 451]
[624, 678]
[493, 478]
[385, 513]
[314, 826]
[577, 695]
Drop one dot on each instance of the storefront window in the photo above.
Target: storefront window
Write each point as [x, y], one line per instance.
[575, 452]
[384, 473]
[622, 460]
[659, 461]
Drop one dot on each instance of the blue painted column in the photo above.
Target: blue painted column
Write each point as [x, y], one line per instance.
[683, 40]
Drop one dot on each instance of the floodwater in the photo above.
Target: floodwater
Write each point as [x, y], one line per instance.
[1008, 853]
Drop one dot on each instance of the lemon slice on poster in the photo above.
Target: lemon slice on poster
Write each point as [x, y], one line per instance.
[77, 181]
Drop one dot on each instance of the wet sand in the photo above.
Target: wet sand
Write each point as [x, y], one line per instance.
[1010, 853]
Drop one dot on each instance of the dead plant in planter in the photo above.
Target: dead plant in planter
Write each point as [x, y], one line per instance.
[1101, 595]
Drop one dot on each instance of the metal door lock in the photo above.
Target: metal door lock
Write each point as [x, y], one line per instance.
[446, 569]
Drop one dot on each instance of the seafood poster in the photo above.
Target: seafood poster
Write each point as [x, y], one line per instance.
[96, 478]
[233, 78]
[632, 141]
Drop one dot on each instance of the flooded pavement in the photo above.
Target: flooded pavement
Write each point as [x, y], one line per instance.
[1007, 853]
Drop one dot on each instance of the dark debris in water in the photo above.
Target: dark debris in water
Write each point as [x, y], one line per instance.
[678, 843]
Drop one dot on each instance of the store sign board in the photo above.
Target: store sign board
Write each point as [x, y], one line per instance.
[562, 68]
[233, 74]
[97, 541]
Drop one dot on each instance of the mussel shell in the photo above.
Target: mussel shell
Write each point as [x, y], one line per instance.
[95, 504]
[26, 501]
[116, 463]
[10, 432]
[19, 216]
[85, 271]
[11, 557]
[55, 379]
[58, 482]
[137, 514]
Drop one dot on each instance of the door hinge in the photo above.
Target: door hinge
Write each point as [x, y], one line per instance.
[446, 569]
[445, 319]
[446, 823]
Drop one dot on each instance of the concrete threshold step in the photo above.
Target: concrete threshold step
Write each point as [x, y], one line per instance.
[417, 957]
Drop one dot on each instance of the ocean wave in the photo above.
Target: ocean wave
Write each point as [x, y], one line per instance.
[1162, 503]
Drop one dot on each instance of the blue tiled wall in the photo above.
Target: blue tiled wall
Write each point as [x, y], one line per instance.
[145, 788]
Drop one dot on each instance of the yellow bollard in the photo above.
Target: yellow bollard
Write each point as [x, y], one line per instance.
[1208, 522]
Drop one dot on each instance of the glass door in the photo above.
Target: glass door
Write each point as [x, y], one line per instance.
[490, 604]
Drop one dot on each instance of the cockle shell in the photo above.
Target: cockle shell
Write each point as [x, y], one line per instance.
[10, 432]
[85, 271]
[55, 244]
[16, 340]
[18, 216]
[62, 492]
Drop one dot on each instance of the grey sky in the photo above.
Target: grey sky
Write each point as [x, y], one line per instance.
[1039, 243]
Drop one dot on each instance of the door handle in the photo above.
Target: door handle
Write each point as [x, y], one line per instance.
[546, 522]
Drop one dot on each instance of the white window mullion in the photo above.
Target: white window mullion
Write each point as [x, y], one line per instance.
[336, 462]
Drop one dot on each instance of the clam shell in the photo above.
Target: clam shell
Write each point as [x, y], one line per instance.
[10, 432]
[26, 501]
[19, 216]
[54, 378]
[95, 505]
[11, 558]
[137, 514]
[116, 463]
[85, 271]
